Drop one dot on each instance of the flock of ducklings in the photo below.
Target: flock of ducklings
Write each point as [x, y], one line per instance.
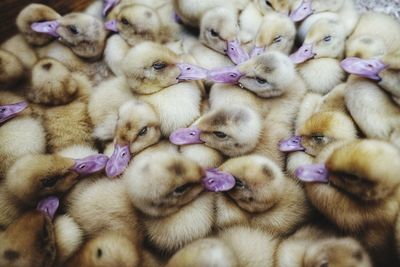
[272, 139]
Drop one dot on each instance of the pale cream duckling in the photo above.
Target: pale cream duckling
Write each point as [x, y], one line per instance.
[11, 69]
[311, 246]
[267, 6]
[65, 93]
[263, 197]
[250, 20]
[175, 212]
[21, 131]
[318, 57]
[361, 198]
[109, 249]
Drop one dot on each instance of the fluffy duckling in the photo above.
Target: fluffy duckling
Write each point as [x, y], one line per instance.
[204, 252]
[318, 57]
[178, 200]
[251, 246]
[11, 69]
[107, 249]
[361, 198]
[83, 34]
[21, 132]
[311, 246]
[276, 32]
[68, 93]
[250, 20]
[267, 6]
[28, 242]
[363, 97]
[262, 198]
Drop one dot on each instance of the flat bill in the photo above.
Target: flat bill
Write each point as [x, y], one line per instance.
[236, 53]
[191, 72]
[49, 206]
[118, 161]
[108, 5]
[218, 181]
[224, 75]
[302, 12]
[291, 144]
[186, 136]
[313, 173]
[304, 53]
[90, 165]
[10, 111]
[111, 25]
[367, 68]
[49, 27]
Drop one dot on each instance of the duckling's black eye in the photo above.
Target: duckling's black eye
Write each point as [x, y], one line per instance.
[261, 80]
[319, 139]
[183, 188]
[327, 38]
[268, 3]
[143, 131]
[219, 134]
[238, 183]
[324, 264]
[124, 21]
[159, 65]
[277, 39]
[214, 33]
[50, 182]
[73, 29]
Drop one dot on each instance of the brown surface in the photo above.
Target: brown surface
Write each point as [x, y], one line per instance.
[9, 10]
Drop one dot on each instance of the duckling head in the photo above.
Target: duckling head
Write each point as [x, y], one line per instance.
[31, 14]
[149, 67]
[28, 242]
[84, 34]
[52, 83]
[259, 182]
[336, 252]
[266, 6]
[138, 127]
[136, 23]
[160, 184]
[34, 177]
[365, 46]
[219, 26]
[267, 75]
[233, 131]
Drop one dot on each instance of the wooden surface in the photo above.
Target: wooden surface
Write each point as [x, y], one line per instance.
[9, 10]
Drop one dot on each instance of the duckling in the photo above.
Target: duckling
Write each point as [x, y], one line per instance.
[204, 252]
[365, 96]
[267, 6]
[251, 246]
[311, 246]
[178, 200]
[276, 32]
[11, 69]
[82, 33]
[18, 47]
[68, 93]
[318, 57]
[107, 249]
[137, 127]
[262, 198]
[361, 198]
[250, 20]
[21, 132]
[28, 242]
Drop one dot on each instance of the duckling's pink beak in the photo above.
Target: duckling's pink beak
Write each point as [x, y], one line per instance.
[108, 5]
[313, 173]
[236, 53]
[257, 51]
[224, 75]
[10, 111]
[186, 136]
[218, 181]
[48, 206]
[90, 165]
[302, 12]
[368, 68]
[304, 53]
[48, 27]
[191, 72]
[119, 160]
[111, 25]
[291, 144]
